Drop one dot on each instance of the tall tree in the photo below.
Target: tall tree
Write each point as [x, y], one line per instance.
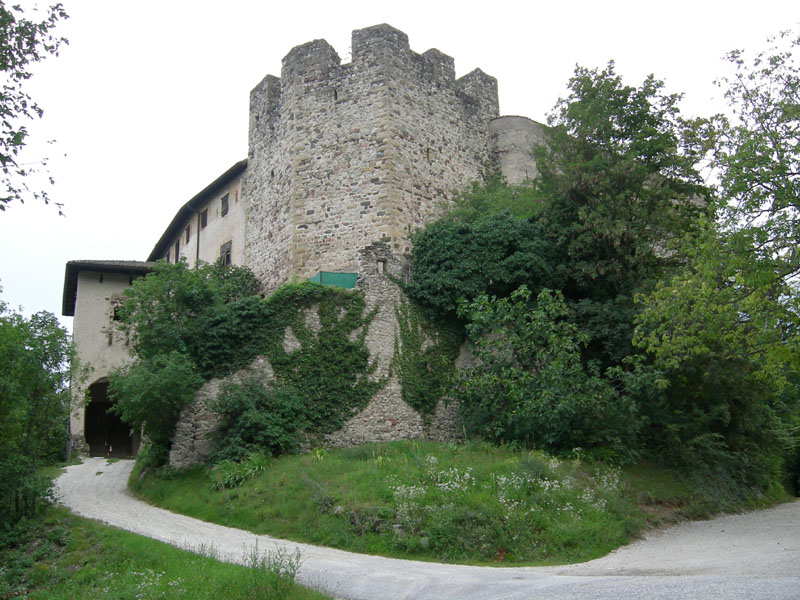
[35, 360]
[23, 42]
[618, 180]
[725, 331]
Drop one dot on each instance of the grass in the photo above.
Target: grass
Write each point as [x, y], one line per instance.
[469, 503]
[62, 556]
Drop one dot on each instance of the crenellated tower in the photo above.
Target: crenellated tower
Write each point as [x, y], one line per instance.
[345, 155]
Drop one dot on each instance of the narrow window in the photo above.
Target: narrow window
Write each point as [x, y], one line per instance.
[225, 253]
[224, 208]
[116, 316]
[177, 250]
[204, 219]
[188, 233]
[167, 258]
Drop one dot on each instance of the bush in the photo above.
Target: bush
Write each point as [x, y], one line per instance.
[228, 474]
[529, 385]
[257, 419]
[150, 394]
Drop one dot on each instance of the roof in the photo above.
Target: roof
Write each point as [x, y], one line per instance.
[127, 267]
[190, 208]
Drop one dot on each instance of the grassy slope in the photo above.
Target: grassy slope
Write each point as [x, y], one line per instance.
[467, 503]
[66, 557]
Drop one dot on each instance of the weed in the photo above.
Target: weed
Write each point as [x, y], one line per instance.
[272, 575]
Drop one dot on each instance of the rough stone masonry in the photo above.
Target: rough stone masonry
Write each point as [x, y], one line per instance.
[345, 162]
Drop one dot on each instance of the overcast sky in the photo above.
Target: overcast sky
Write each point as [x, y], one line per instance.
[148, 103]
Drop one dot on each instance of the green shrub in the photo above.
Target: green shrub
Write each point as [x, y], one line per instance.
[494, 255]
[529, 385]
[228, 474]
[256, 419]
[149, 394]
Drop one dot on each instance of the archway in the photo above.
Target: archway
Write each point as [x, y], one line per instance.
[105, 432]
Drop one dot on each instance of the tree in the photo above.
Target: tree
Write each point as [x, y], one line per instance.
[150, 394]
[757, 156]
[171, 309]
[182, 326]
[528, 384]
[23, 42]
[35, 361]
[619, 180]
[724, 331]
[493, 254]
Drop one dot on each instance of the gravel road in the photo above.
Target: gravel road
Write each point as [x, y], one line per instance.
[749, 556]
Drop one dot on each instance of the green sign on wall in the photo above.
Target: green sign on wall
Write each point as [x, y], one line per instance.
[342, 280]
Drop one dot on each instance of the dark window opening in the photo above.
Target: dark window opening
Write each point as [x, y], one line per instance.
[225, 253]
[177, 250]
[203, 219]
[167, 259]
[116, 315]
[224, 208]
[101, 278]
[188, 233]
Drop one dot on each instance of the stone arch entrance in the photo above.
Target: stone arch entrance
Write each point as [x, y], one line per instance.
[105, 433]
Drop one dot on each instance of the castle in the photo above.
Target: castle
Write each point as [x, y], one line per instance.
[345, 162]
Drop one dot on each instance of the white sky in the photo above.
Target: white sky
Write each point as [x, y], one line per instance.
[148, 103]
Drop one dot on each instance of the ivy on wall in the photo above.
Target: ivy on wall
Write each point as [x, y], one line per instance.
[210, 318]
[424, 357]
[331, 368]
[319, 384]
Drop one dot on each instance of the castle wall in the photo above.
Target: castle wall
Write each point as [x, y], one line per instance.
[341, 156]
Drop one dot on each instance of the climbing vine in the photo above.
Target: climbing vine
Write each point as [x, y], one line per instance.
[312, 335]
[331, 367]
[424, 357]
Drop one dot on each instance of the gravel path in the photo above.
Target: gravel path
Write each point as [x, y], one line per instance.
[750, 556]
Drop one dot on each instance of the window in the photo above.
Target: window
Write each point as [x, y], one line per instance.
[177, 250]
[188, 233]
[167, 257]
[224, 208]
[203, 219]
[225, 253]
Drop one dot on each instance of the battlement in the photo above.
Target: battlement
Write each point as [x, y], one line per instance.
[377, 51]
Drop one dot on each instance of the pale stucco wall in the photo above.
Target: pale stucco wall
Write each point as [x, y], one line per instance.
[219, 229]
[98, 343]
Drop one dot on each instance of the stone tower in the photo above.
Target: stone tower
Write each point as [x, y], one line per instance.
[345, 155]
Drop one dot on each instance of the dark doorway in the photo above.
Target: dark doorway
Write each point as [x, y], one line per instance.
[105, 433]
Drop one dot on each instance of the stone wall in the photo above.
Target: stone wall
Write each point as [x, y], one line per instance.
[386, 417]
[197, 423]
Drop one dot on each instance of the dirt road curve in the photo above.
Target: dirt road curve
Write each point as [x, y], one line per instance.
[749, 556]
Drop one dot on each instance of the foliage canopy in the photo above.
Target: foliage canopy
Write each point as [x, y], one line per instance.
[23, 42]
[35, 360]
